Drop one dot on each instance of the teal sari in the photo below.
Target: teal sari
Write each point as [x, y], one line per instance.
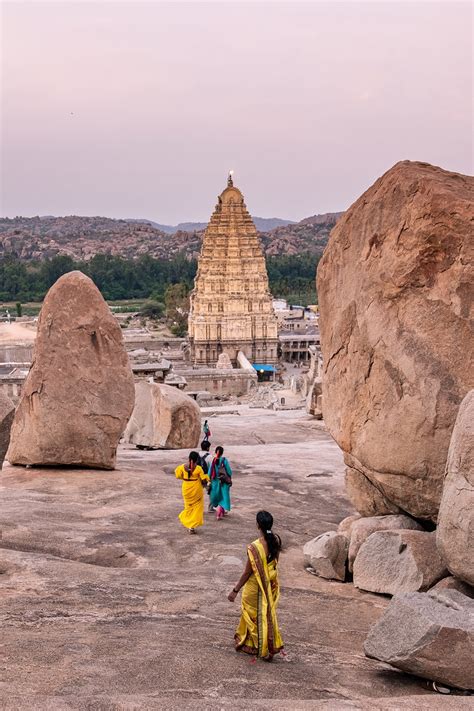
[220, 493]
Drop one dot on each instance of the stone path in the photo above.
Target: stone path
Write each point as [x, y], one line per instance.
[107, 603]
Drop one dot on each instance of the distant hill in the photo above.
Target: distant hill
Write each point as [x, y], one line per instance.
[261, 223]
[36, 238]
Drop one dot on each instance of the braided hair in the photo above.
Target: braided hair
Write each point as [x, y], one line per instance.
[265, 523]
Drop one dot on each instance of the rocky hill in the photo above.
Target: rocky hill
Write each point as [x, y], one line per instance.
[263, 224]
[36, 238]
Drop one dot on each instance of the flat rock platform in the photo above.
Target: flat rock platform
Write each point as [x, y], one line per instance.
[106, 602]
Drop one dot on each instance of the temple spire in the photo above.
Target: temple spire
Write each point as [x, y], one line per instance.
[230, 182]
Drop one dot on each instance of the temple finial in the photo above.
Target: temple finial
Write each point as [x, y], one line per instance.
[230, 182]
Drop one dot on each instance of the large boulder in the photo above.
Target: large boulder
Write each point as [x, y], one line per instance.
[427, 634]
[7, 413]
[163, 417]
[79, 393]
[455, 532]
[392, 562]
[326, 555]
[395, 294]
[364, 527]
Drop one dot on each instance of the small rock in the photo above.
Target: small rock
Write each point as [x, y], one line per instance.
[452, 583]
[427, 634]
[327, 554]
[455, 532]
[392, 562]
[364, 527]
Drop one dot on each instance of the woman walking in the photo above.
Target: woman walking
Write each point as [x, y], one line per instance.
[194, 479]
[221, 481]
[207, 431]
[258, 631]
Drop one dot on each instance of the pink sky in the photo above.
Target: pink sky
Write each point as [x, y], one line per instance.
[139, 109]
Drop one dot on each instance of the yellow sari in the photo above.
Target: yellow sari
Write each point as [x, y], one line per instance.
[258, 631]
[192, 515]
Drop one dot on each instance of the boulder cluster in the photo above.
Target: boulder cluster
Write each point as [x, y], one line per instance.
[396, 300]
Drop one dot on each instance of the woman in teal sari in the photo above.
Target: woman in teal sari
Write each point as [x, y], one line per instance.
[221, 481]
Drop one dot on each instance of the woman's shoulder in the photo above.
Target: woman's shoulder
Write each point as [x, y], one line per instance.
[179, 471]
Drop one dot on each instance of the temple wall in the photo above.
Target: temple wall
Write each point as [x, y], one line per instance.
[220, 382]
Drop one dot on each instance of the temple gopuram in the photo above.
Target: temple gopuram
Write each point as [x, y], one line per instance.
[231, 304]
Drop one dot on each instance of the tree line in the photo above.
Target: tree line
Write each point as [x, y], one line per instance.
[145, 277]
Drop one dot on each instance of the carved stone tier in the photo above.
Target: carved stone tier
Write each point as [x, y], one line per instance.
[231, 304]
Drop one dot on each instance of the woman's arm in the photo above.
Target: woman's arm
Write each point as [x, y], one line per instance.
[179, 471]
[227, 466]
[242, 580]
[202, 474]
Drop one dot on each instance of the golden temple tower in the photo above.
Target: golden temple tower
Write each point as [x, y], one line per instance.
[231, 304]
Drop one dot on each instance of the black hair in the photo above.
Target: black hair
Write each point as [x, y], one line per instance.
[220, 449]
[265, 523]
[194, 457]
[205, 445]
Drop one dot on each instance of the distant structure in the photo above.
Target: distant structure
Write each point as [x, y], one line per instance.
[231, 304]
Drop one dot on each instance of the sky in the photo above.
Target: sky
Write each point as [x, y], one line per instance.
[140, 109]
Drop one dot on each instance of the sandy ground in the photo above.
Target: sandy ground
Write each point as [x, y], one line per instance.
[106, 602]
[17, 332]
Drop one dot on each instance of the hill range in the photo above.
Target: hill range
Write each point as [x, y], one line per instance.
[38, 238]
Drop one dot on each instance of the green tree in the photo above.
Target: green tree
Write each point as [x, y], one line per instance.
[177, 308]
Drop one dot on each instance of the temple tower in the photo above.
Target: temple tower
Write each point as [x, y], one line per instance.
[231, 304]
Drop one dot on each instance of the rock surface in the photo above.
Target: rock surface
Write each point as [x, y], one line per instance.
[452, 583]
[347, 523]
[392, 562]
[7, 412]
[427, 634]
[364, 527]
[395, 295]
[79, 394]
[326, 555]
[163, 417]
[455, 532]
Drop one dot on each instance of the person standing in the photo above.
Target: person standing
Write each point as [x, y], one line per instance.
[194, 479]
[258, 632]
[205, 462]
[221, 481]
[206, 430]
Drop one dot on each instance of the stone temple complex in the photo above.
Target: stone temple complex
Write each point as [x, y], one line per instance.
[231, 305]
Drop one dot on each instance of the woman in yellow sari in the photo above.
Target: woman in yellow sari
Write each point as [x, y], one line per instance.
[194, 480]
[258, 631]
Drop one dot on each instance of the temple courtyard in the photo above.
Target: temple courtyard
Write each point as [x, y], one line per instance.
[106, 602]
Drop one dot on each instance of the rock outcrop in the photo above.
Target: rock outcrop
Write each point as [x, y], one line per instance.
[79, 393]
[455, 532]
[7, 412]
[427, 634]
[326, 555]
[163, 417]
[395, 294]
[364, 527]
[392, 562]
